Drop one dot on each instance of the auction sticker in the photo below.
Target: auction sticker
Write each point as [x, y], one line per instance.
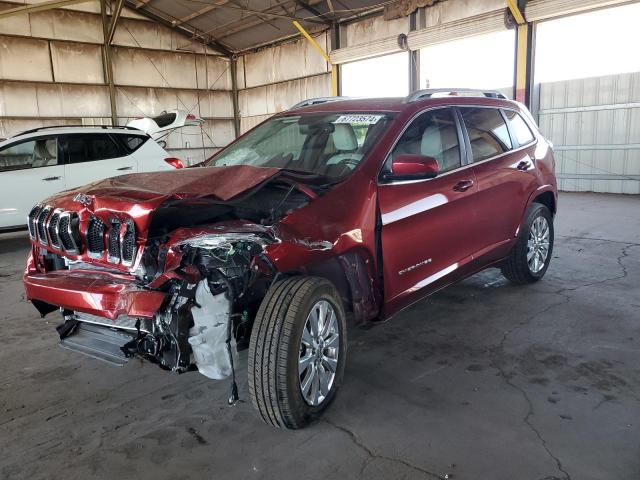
[362, 119]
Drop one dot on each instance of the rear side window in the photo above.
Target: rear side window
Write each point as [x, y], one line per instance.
[487, 132]
[433, 134]
[92, 147]
[41, 152]
[133, 142]
[519, 128]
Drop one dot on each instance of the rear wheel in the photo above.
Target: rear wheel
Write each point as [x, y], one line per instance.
[297, 351]
[529, 259]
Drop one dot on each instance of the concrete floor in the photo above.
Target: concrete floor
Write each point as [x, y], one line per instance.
[482, 381]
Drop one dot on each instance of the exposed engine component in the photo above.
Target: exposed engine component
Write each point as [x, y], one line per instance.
[198, 324]
[208, 336]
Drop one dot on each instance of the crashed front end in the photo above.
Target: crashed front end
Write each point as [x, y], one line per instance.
[176, 282]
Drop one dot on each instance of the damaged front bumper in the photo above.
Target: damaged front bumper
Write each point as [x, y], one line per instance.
[187, 318]
[92, 292]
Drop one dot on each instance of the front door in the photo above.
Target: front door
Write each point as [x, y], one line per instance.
[427, 226]
[30, 171]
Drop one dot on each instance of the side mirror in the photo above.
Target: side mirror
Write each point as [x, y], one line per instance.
[408, 166]
[162, 143]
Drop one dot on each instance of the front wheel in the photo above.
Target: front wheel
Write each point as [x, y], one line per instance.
[530, 257]
[297, 351]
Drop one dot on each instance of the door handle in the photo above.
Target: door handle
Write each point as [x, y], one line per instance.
[124, 168]
[50, 179]
[463, 185]
[524, 165]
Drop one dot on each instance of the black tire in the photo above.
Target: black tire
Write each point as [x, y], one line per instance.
[516, 267]
[274, 351]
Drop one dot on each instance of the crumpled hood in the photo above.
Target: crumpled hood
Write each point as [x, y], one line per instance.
[220, 183]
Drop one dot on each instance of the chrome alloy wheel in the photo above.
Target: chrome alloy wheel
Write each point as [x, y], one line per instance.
[319, 348]
[538, 244]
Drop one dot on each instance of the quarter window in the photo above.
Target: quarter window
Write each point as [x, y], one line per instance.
[487, 132]
[41, 152]
[432, 134]
[519, 128]
[134, 142]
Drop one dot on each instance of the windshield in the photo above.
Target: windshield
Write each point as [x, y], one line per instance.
[325, 144]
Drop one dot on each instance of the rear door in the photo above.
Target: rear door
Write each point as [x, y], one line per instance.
[95, 156]
[427, 226]
[30, 171]
[504, 170]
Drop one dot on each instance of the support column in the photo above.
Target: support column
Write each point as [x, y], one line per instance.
[106, 62]
[334, 44]
[414, 57]
[524, 53]
[234, 87]
[524, 63]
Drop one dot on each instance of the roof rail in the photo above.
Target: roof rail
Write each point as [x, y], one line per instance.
[317, 101]
[430, 92]
[105, 127]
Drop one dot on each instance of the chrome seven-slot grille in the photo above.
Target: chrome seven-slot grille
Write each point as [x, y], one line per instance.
[60, 230]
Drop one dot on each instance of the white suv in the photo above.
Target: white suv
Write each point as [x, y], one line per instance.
[39, 163]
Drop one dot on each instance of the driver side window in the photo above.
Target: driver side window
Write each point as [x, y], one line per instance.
[433, 134]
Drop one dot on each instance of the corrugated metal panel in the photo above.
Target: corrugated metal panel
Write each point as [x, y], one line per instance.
[213, 134]
[247, 123]
[25, 59]
[371, 37]
[594, 124]
[452, 10]
[66, 25]
[374, 48]
[285, 62]
[22, 99]
[217, 74]
[275, 98]
[77, 62]
[371, 29]
[136, 102]
[153, 68]
[542, 9]
[477, 25]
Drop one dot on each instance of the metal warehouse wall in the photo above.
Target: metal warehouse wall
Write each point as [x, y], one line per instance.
[594, 124]
[277, 78]
[51, 73]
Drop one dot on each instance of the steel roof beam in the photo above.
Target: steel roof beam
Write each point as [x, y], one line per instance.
[191, 33]
[200, 12]
[309, 8]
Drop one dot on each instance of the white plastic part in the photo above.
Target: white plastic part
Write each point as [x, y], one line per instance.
[149, 125]
[208, 335]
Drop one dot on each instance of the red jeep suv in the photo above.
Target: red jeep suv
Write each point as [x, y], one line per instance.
[335, 208]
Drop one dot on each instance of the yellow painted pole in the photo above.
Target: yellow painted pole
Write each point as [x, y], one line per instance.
[515, 11]
[522, 47]
[521, 62]
[316, 45]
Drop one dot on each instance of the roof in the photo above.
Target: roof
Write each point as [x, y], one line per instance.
[233, 26]
[62, 129]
